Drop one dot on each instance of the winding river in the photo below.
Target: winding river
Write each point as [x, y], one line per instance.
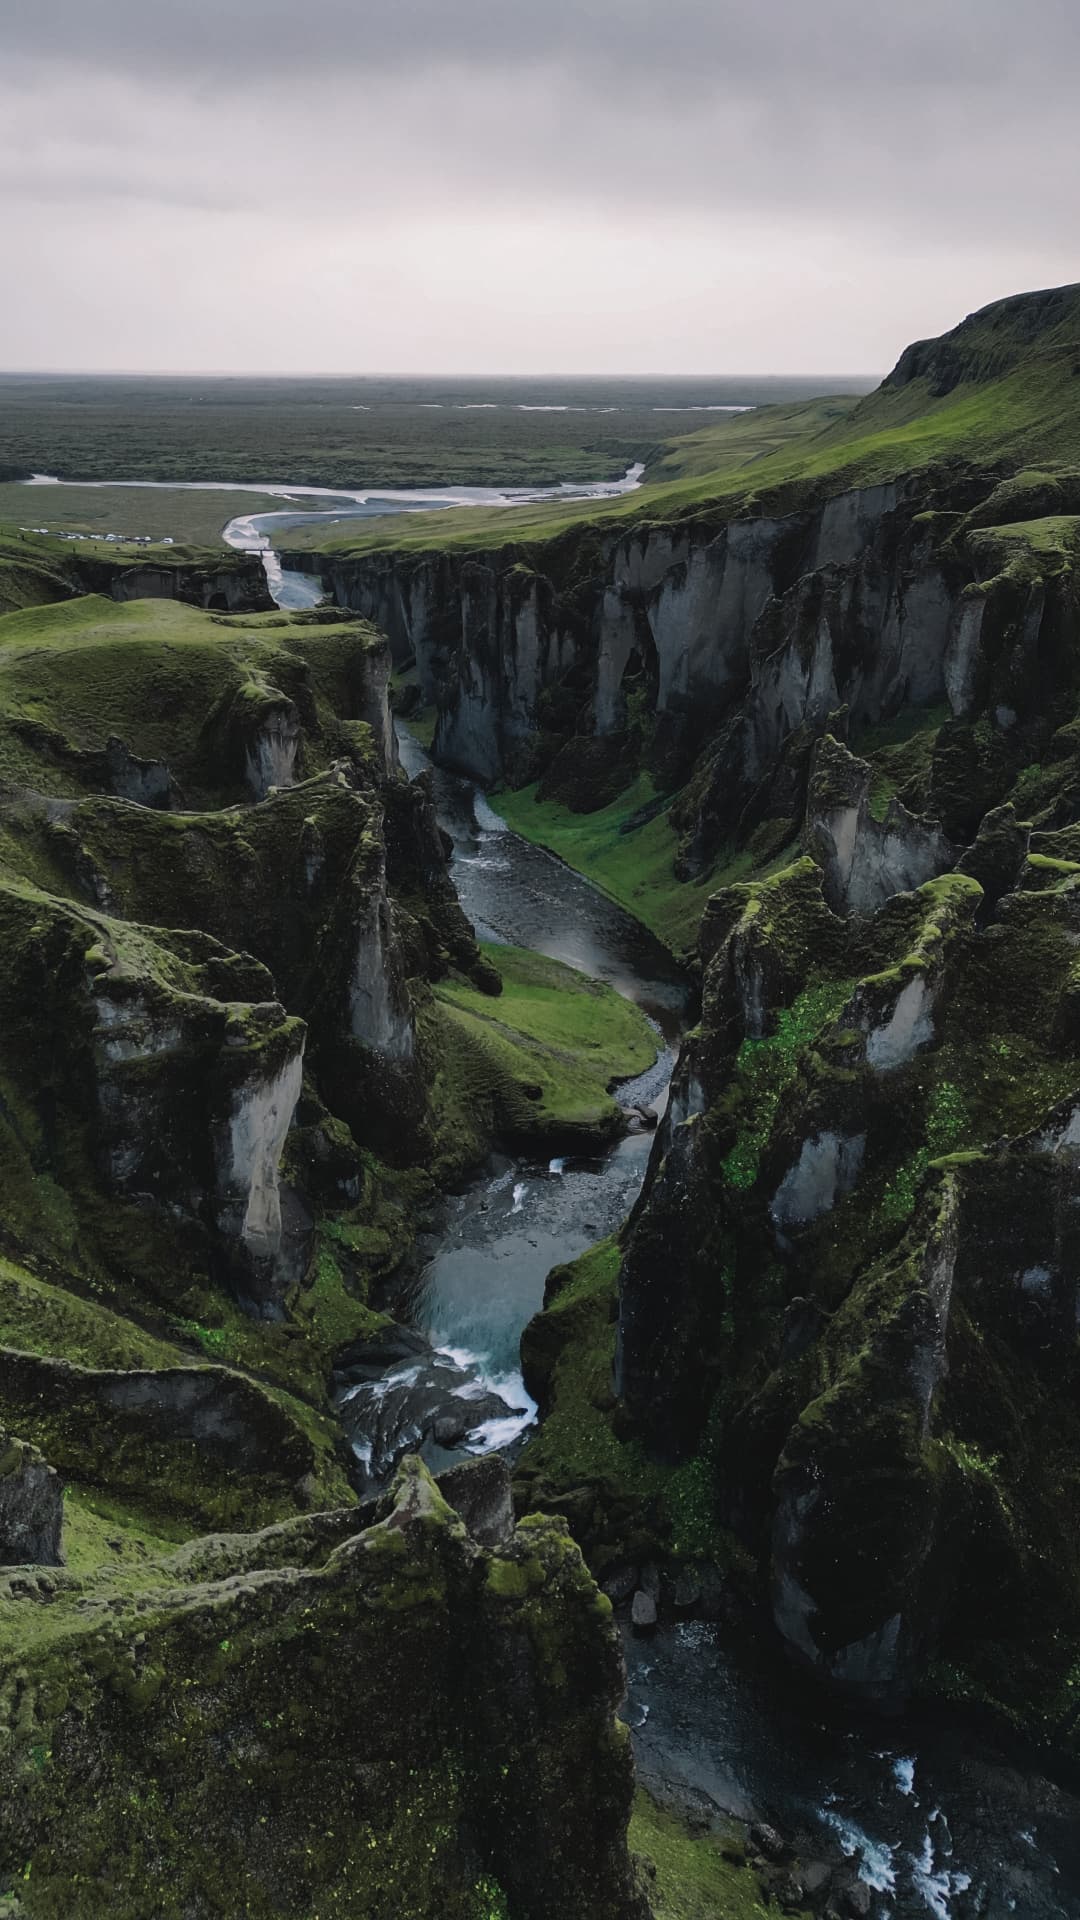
[938, 1817]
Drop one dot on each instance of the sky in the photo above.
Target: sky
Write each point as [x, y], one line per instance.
[514, 186]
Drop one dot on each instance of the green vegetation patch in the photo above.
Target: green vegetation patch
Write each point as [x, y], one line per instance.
[693, 1876]
[632, 864]
[535, 1064]
[196, 516]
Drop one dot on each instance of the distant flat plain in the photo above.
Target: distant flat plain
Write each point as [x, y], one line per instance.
[362, 432]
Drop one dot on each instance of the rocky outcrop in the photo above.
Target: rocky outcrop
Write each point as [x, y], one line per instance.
[201, 1445]
[225, 583]
[865, 859]
[775, 621]
[31, 1506]
[831, 1262]
[446, 1711]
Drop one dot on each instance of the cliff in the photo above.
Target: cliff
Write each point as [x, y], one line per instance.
[845, 1305]
[705, 630]
[38, 568]
[408, 1723]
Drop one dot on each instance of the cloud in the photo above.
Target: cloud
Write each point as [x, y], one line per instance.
[799, 143]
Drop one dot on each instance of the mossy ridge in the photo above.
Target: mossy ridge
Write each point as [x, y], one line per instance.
[33, 572]
[249, 1646]
[619, 1501]
[163, 677]
[790, 1340]
[1007, 400]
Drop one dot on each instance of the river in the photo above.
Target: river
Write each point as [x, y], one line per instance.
[941, 1819]
[256, 532]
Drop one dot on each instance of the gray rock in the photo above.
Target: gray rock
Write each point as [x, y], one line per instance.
[650, 1580]
[766, 1840]
[643, 1612]
[620, 1583]
[856, 1900]
[816, 1877]
[479, 1490]
[31, 1506]
[715, 1599]
[687, 1595]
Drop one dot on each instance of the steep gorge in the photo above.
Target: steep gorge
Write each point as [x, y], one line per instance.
[839, 1301]
[248, 1033]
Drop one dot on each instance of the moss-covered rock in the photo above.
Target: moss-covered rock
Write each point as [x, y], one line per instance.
[31, 1506]
[384, 1723]
[850, 1269]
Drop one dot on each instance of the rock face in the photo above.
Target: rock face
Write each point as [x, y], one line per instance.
[839, 1206]
[446, 1711]
[225, 583]
[866, 860]
[760, 627]
[31, 1506]
[203, 1445]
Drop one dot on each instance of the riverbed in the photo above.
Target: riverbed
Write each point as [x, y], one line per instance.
[941, 1820]
[477, 1277]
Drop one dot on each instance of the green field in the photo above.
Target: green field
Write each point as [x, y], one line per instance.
[357, 432]
[196, 518]
[535, 1063]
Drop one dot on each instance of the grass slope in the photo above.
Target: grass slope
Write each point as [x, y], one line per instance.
[194, 517]
[534, 1064]
[632, 867]
[692, 1876]
[87, 668]
[1002, 388]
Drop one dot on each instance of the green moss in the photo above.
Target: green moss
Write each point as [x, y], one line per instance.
[695, 1876]
[164, 677]
[764, 1070]
[634, 865]
[534, 1065]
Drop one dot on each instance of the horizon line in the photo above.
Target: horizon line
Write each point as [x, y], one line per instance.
[231, 373]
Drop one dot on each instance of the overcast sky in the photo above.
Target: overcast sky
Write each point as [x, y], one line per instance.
[620, 186]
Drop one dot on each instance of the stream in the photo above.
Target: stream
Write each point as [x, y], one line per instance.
[938, 1818]
[256, 532]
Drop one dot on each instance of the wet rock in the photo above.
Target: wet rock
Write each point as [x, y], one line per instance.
[479, 1490]
[643, 1612]
[397, 1395]
[620, 1583]
[31, 1506]
[687, 1594]
[369, 1358]
[767, 1841]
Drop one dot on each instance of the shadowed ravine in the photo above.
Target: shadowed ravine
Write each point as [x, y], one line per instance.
[942, 1820]
[478, 1280]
